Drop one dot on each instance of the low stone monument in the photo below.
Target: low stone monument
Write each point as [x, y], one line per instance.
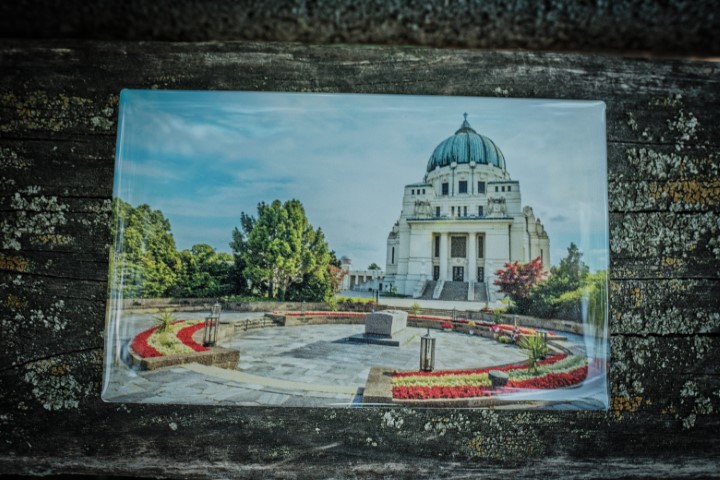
[386, 327]
[385, 323]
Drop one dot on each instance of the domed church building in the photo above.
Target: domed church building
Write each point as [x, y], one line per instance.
[460, 224]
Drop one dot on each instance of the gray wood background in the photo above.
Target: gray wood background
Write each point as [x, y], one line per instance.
[58, 108]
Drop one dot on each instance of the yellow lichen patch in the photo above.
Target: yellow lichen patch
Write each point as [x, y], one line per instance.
[15, 303]
[637, 297]
[54, 239]
[16, 264]
[690, 192]
[59, 370]
[476, 445]
[39, 111]
[622, 405]
[672, 262]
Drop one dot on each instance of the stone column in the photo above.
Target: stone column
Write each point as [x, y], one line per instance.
[443, 255]
[472, 257]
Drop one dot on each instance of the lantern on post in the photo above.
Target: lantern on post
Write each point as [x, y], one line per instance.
[212, 323]
[427, 352]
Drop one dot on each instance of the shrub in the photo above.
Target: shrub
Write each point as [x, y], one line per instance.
[332, 302]
[415, 308]
[536, 349]
[164, 320]
[504, 339]
[497, 316]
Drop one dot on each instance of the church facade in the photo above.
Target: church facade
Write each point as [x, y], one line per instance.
[462, 223]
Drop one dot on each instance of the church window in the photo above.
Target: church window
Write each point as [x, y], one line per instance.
[502, 188]
[437, 246]
[458, 247]
[412, 192]
[392, 256]
[481, 187]
[445, 188]
[437, 211]
[480, 211]
[481, 241]
[423, 191]
[508, 188]
[452, 211]
[462, 186]
[497, 189]
[464, 211]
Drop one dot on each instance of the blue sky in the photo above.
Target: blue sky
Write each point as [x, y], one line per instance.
[204, 157]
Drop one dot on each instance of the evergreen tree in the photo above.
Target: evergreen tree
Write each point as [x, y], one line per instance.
[204, 273]
[281, 254]
[146, 262]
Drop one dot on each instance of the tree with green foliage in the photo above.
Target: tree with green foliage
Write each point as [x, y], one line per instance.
[597, 309]
[281, 254]
[563, 293]
[145, 262]
[204, 273]
[374, 266]
[572, 269]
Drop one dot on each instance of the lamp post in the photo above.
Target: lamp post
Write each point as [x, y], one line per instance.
[212, 323]
[427, 352]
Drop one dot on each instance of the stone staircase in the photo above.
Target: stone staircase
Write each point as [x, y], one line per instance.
[420, 289]
[454, 291]
[480, 292]
[427, 293]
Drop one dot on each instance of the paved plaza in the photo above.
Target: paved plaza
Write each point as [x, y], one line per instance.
[298, 366]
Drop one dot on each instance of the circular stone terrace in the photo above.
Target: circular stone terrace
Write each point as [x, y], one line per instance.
[308, 365]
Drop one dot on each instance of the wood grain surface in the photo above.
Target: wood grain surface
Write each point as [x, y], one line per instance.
[58, 110]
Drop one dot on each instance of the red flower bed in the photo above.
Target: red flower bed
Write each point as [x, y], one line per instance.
[141, 347]
[424, 393]
[525, 331]
[548, 381]
[185, 335]
[552, 380]
[515, 366]
[322, 314]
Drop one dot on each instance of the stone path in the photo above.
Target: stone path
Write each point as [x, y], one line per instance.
[298, 366]
[242, 377]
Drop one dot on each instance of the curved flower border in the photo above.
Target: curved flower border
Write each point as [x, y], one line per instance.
[557, 371]
[142, 343]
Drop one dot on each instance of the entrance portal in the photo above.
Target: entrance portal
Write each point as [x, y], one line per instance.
[458, 274]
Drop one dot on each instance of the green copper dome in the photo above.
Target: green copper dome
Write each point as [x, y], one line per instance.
[464, 147]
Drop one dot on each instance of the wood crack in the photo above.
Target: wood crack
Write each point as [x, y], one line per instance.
[15, 366]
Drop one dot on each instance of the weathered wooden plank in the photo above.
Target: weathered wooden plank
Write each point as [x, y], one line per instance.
[673, 26]
[58, 103]
[636, 91]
